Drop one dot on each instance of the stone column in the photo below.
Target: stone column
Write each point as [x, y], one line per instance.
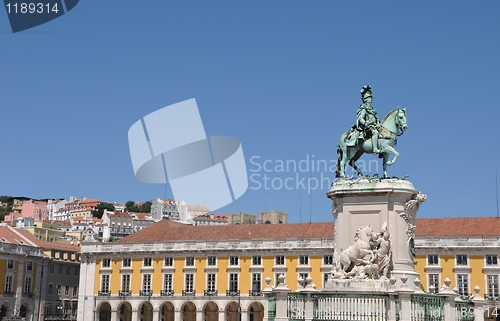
[41, 288]
[405, 293]
[449, 301]
[308, 290]
[244, 315]
[136, 314]
[86, 295]
[281, 292]
[479, 304]
[19, 286]
[391, 309]
[268, 291]
[114, 315]
[199, 314]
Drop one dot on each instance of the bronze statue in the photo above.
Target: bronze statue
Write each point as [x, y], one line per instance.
[371, 136]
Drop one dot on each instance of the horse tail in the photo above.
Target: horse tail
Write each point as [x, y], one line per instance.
[339, 156]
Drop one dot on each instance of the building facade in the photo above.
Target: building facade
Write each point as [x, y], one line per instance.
[39, 279]
[210, 219]
[166, 209]
[466, 251]
[172, 271]
[21, 262]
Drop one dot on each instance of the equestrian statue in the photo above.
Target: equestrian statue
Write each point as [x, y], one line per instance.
[370, 136]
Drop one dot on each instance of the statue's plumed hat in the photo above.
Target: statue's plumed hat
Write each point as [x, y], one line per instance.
[366, 92]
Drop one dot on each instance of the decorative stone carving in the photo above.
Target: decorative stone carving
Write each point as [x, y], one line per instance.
[410, 211]
[268, 280]
[368, 258]
[418, 286]
[393, 281]
[89, 235]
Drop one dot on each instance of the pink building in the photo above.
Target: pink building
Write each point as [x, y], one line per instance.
[35, 209]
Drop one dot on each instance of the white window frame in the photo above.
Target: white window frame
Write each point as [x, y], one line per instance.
[106, 262]
[466, 260]
[234, 260]
[212, 284]
[9, 286]
[252, 276]
[127, 262]
[257, 260]
[276, 260]
[468, 283]
[491, 255]
[432, 255]
[123, 289]
[104, 289]
[436, 284]
[192, 282]
[209, 259]
[190, 261]
[303, 259]
[231, 282]
[171, 282]
[28, 284]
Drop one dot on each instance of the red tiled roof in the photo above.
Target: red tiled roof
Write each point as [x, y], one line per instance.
[11, 235]
[61, 223]
[169, 230]
[142, 216]
[466, 226]
[122, 214]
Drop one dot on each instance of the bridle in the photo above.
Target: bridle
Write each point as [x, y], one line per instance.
[398, 126]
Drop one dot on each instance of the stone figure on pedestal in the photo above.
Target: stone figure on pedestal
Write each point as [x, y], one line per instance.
[384, 254]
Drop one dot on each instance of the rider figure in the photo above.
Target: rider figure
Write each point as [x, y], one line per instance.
[367, 120]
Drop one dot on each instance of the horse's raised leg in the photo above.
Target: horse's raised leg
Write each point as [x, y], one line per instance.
[391, 150]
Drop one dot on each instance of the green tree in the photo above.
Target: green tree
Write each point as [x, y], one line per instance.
[4, 198]
[104, 206]
[146, 207]
[130, 206]
[4, 210]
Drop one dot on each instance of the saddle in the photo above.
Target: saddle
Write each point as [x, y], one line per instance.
[354, 137]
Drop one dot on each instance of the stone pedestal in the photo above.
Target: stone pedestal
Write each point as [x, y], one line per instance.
[368, 201]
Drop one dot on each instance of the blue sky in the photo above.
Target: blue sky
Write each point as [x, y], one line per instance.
[281, 76]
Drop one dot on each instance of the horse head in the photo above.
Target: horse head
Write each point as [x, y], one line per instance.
[365, 233]
[401, 119]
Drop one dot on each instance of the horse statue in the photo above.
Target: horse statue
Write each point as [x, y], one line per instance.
[355, 254]
[393, 125]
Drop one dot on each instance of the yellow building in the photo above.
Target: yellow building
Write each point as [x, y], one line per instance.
[173, 271]
[20, 272]
[466, 251]
[38, 279]
[46, 231]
